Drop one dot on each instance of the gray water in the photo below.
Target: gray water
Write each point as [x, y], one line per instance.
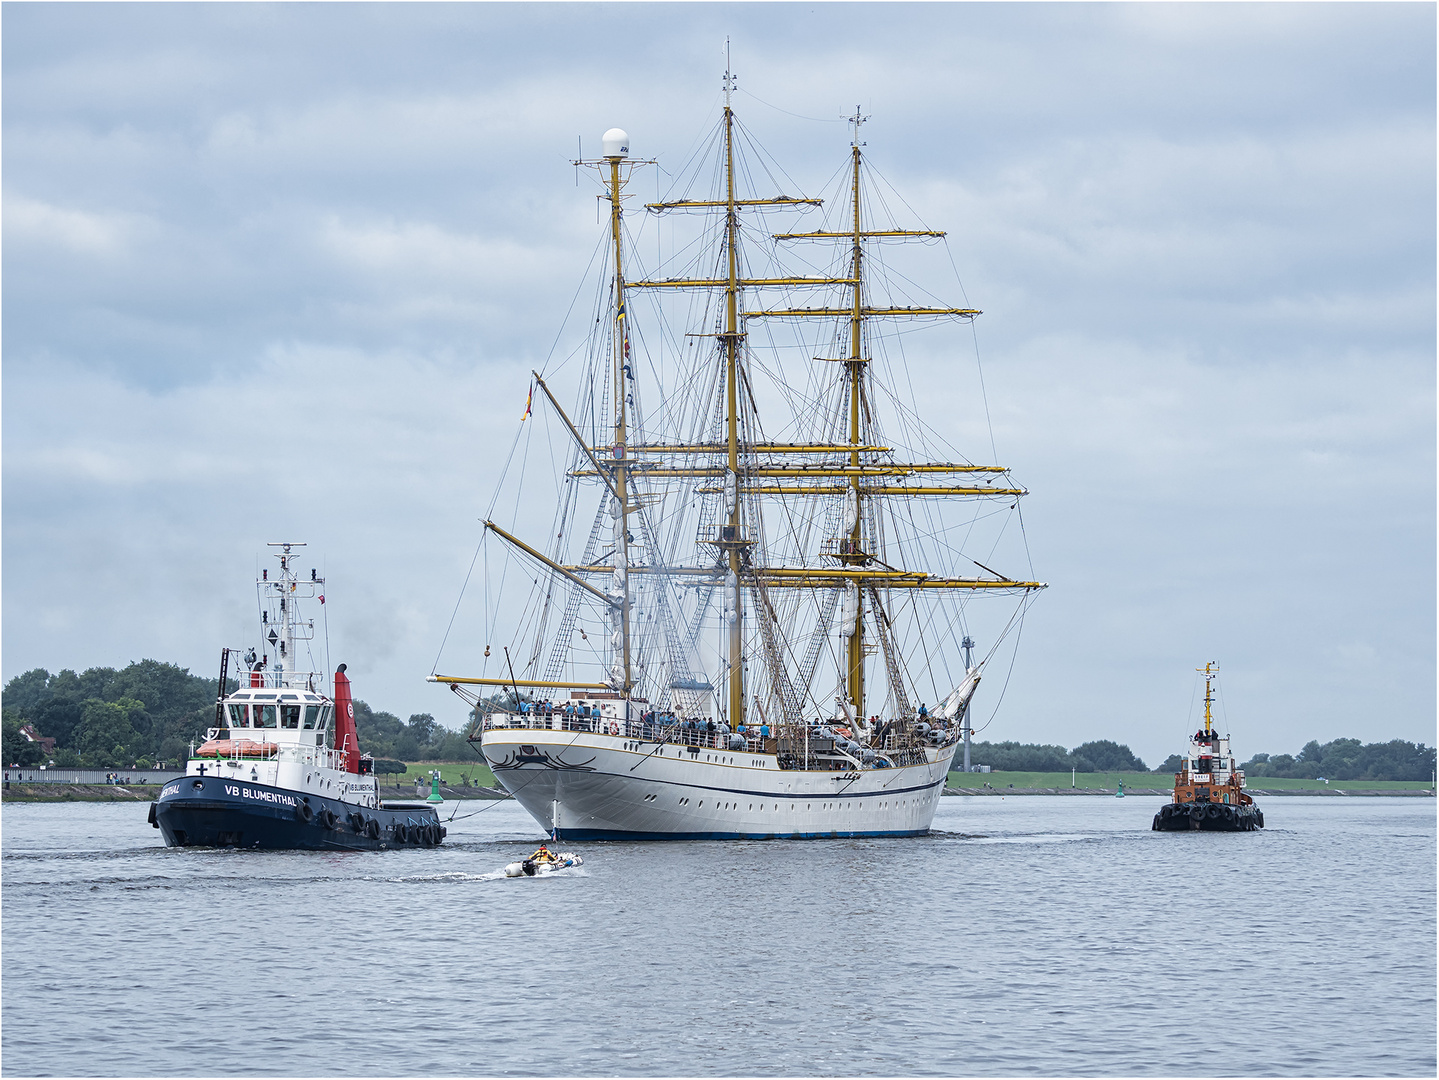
[1027, 935]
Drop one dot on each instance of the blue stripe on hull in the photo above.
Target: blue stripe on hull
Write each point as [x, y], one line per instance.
[619, 834]
[215, 812]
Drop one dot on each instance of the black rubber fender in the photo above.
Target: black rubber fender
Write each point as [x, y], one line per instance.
[444, 832]
[372, 829]
[402, 833]
[304, 811]
[1259, 818]
[153, 823]
[1155, 826]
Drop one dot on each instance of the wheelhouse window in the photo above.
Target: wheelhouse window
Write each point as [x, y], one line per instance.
[290, 716]
[325, 711]
[312, 716]
[238, 715]
[263, 716]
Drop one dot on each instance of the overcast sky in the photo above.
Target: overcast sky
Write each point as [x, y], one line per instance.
[281, 273]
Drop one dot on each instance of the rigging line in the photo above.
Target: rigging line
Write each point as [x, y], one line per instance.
[797, 116]
[601, 246]
[473, 559]
[1025, 537]
[983, 393]
[1013, 656]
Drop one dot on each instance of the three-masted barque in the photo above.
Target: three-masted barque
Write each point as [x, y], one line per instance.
[769, 500]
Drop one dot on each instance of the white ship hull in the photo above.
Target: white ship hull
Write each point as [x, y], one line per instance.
[587, 786]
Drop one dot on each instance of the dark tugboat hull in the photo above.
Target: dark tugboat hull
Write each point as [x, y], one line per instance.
[1208, 817]
[204, 811]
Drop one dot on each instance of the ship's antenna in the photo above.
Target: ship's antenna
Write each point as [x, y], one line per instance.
[857, 119]
[730, 79]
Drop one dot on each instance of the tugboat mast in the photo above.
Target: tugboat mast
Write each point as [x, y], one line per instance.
[284, 638]
[1210, 673]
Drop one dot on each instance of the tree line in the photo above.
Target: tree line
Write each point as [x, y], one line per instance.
[1348, 759]
[1341, 759]
[108, 718]
[149, 711]
[1102, 755]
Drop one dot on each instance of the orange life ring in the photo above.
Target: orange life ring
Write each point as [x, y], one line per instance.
[614, 727]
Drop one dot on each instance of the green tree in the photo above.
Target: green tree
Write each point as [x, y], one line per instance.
[1172, 764]
[17, 749]
[107, 735]
[24, 692]
[1109, 756]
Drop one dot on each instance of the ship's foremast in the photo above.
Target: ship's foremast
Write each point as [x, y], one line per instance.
[621, 470]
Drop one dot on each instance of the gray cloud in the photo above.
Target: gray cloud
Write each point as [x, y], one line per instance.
[280, 272]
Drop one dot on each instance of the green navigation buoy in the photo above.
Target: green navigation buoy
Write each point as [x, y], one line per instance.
[1118, 795]
[435, 795]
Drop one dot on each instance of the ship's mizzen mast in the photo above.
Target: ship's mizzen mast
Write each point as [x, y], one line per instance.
[860, 579]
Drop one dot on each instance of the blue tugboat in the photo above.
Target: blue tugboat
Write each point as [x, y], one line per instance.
[281, 768]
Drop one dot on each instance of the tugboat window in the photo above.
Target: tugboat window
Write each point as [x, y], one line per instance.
[290, 716]
[238, 717]
[264, 715]
[312, 715]
[325, 716]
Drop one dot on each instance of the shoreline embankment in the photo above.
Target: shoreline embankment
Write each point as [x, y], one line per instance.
[1258, 793]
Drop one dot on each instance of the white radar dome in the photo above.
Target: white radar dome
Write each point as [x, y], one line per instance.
[616, 143]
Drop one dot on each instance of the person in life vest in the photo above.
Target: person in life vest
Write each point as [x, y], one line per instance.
[544, 855]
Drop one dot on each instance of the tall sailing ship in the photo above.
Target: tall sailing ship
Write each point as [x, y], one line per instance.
[739, 640]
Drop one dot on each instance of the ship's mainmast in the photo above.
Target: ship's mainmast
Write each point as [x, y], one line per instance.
[732, 536]
[854, 632]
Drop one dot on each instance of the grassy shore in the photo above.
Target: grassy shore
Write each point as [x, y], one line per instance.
[452, 773]
[1102, 783]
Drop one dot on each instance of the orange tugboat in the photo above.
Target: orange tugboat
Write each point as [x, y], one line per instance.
[1209, 788]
